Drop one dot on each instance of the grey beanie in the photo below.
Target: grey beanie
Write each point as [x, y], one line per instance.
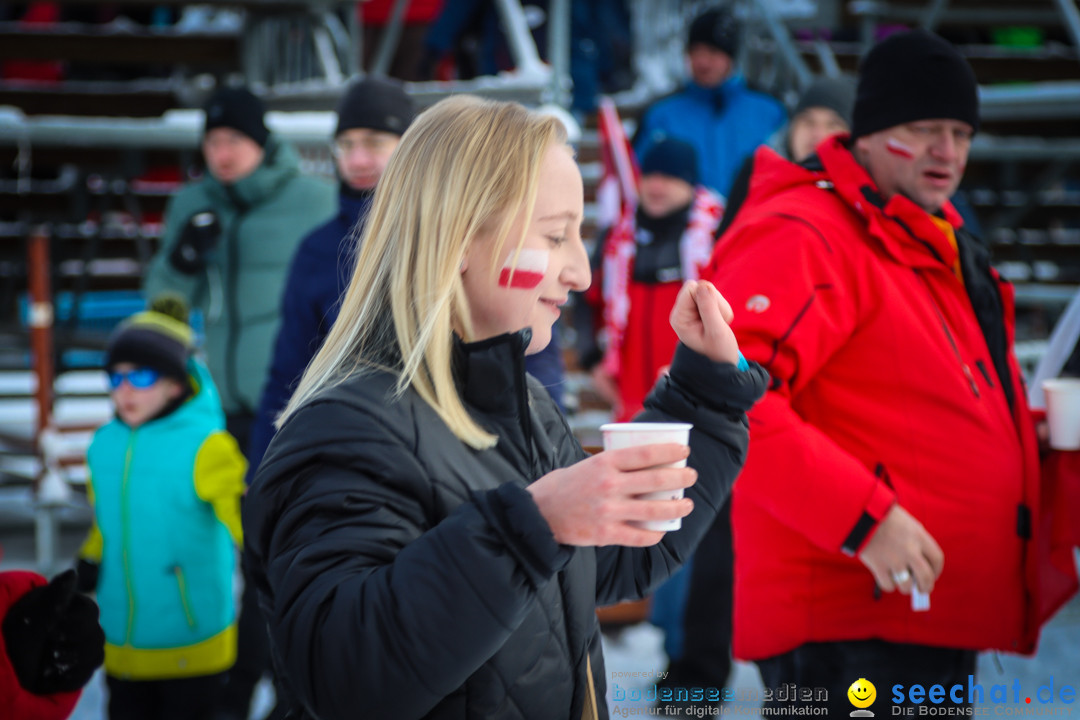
[836, 94]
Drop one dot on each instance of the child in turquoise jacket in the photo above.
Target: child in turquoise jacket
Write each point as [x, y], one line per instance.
[165, 485]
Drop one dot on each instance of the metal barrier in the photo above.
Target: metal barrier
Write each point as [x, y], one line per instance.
[50, 489]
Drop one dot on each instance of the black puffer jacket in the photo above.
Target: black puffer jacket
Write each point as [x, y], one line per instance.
[405, 575]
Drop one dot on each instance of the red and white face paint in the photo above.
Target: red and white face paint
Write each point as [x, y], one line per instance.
[899, 149]
[524, 269]
[524, 286]
[923, 161]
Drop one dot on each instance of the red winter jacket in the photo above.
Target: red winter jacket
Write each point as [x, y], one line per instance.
[883, 390]
[21, 704]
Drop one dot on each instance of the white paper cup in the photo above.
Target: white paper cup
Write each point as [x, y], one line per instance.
[624, 435]
[1063, 412]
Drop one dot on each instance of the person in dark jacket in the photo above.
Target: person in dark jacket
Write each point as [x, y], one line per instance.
[427, 538]
[372, 115]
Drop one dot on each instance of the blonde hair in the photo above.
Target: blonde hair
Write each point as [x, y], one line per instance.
[465, 166]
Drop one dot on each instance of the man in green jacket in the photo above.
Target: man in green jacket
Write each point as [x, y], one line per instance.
[228, 242]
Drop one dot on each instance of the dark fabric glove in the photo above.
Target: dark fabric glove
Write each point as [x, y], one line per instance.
[197, 241]
[53, 637]
[88, 575]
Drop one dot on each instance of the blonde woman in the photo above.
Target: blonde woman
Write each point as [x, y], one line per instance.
[427, 537]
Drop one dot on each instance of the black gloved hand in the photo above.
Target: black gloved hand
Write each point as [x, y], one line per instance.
[53, 637]
[197, 240]
[88, 575]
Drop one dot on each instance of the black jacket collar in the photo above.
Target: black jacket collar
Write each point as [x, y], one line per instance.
[490, 374]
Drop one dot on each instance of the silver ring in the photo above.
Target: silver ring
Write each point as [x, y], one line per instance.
[901, 576]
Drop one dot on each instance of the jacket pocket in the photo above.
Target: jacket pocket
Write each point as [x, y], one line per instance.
[185, 601]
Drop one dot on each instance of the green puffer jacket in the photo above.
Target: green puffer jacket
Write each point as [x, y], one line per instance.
[263, 218]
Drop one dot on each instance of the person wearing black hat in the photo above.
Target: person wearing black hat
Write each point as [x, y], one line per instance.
[714, 111]
[643, 262]
[886, 518]
[227, 242]
[234, 136]
[372, 115]
[725, 121]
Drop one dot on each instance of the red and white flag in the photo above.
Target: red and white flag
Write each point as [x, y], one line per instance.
[618, 186]
[616, 203]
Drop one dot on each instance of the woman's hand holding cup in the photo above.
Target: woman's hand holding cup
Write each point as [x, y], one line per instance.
[596, 501]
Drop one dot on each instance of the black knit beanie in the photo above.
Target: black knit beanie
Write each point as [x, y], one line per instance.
[910, 76]
[716, 28]
[238, 109]
[673, 158]
[375, 104]
[836, 94]
[159, 338]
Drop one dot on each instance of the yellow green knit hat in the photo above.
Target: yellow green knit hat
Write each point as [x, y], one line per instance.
[158, 338]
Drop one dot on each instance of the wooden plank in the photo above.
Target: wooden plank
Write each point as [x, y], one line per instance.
[292, 5]
[86, 43]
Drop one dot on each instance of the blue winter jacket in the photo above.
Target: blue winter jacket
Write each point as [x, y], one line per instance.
[725, 125]
[318, 276]
[166, 498]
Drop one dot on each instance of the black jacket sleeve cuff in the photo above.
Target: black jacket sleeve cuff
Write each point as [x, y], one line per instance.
[721, 387]
[865, 524]
[511, 510]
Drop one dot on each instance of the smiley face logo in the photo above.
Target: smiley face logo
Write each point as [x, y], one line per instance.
[862, 695]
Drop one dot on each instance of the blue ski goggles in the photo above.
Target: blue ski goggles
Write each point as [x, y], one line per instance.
[140, 378]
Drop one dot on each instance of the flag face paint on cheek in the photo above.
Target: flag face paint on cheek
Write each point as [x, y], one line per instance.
[899, 149]
[529, 271]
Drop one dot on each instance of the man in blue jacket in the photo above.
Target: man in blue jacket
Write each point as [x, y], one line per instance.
[715, 111]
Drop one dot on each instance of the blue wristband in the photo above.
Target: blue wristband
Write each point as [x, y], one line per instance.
[742, 364]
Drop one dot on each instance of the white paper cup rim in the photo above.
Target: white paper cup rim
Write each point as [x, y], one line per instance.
[1061, 384]
[644, 427]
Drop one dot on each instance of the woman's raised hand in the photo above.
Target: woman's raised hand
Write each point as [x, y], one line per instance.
[593, 501]
[700, 318]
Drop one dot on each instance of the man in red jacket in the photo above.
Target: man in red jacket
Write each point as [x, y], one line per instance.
[894, 452]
